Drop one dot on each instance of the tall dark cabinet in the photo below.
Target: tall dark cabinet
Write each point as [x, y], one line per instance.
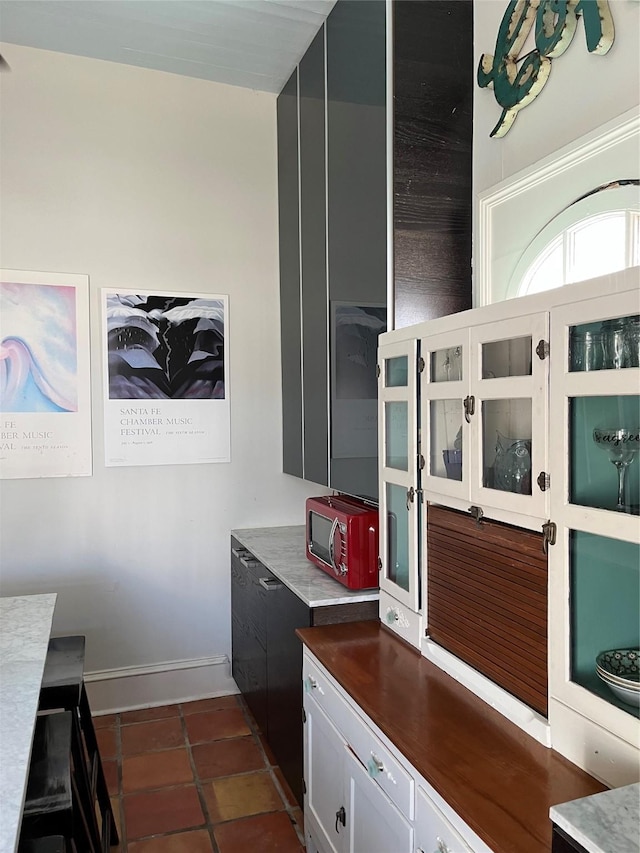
[343, 216]
[433, 79]
[334, 303]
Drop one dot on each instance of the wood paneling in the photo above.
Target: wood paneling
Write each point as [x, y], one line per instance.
[487, 600]
[499, 780]
[432, 156]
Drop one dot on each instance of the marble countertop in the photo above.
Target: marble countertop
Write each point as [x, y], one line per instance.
[282, 550]
[25, 627]
[603, 823]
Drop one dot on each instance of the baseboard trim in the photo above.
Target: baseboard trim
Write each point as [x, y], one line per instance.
[129, 688]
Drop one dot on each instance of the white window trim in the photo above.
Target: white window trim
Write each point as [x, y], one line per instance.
[607, 153]
[614, 200]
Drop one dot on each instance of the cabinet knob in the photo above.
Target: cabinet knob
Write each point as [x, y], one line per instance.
[341, 817]
[442, 847]
[310, 684]
[374, 766]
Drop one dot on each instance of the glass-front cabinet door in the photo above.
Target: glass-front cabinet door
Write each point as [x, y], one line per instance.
[398, 453]
[507, 410]
[444, 436]
[595, 563]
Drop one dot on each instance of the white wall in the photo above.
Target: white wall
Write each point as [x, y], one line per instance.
[153, 181]
[579, 133]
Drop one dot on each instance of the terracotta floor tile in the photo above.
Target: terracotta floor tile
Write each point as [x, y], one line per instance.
[106, 743]
[239, 796]
[298, 816]
[115, 808]
[217, 704]
[290, 799]
[105, 721]
[156, 770]
[181, 842]
[110, 768]
[225, 757]
[145, 715]
[270, 832]
[215, 725]
[158, 734]
[270, 756]
[156, 812]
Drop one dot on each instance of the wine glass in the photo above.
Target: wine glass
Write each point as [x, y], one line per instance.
[621, 445]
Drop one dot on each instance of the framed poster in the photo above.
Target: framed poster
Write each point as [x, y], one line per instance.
[45, 391]
[166, 378]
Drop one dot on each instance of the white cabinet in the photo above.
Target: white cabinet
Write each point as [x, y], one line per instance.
[527, 412]
[595, 564]
[361, 795]
[434, 833]
[483, 417]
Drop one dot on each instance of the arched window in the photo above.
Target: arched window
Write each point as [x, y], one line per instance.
[595, 235]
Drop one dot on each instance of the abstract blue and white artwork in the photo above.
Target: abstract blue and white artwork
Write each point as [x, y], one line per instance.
[45, 418]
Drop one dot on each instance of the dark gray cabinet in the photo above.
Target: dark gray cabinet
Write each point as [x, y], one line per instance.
[357, 236]
[340, 222]
[330, 419]
[290, 296]
[266, 655]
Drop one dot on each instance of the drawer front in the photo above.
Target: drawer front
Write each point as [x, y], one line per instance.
[381, 766]
[434, 833]
[402, 621]
[378, 761]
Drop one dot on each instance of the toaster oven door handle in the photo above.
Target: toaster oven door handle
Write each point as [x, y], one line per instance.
[332, 549]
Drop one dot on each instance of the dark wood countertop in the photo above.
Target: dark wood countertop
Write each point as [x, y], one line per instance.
[499, 780]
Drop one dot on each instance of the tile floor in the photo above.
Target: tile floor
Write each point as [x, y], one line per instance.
[196, 778]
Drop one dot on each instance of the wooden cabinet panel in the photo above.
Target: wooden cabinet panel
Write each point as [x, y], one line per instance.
[487, 600]
[432, 158]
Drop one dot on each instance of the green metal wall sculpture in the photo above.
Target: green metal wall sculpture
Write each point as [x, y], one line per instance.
[555, 26]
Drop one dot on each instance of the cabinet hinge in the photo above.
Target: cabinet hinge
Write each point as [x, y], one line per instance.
[543, 350]
[420, 461]
[378, 371]
[304, 787]
[543, 481]
[379, 564]
[421, 364]
[549, 531]
[304, 716]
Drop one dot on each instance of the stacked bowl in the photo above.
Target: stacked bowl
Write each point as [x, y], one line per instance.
[619, 670]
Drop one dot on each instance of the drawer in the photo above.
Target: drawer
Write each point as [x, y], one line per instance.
[378, 761]
[434, 833]
[381, 766]
[316, 684]
[402, 621]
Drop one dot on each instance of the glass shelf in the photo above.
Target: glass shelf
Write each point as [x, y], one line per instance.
[603, 437]
[609, 345]
[605, 591]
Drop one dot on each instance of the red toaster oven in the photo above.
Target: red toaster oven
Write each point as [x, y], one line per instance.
[342, 539]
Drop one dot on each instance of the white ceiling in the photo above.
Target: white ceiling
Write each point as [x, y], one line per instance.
[251, 43]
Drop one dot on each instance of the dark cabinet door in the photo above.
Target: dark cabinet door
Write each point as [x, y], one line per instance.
[433, 78]
[285, 613]
[257, 688]
[240, 629]
[357, 235]
[315, 343]
[289, 239]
